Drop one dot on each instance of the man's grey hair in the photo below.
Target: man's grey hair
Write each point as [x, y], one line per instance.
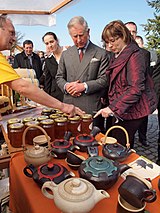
[3, 19]
[78, 20]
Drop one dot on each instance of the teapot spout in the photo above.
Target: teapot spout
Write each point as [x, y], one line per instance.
[131, 151]
[101, 194]
[123, 168]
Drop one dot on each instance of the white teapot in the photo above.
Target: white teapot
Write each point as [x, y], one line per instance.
[74, 195]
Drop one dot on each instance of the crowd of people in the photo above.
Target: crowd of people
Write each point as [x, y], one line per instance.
[114, 81]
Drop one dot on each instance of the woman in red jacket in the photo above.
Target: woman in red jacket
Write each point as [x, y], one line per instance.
[131, 93]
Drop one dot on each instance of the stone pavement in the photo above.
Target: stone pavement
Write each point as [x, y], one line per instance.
[149, 152]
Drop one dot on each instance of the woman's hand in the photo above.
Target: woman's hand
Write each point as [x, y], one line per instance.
[105, 112]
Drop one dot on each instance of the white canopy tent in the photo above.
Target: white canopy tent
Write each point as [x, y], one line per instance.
[33, 12]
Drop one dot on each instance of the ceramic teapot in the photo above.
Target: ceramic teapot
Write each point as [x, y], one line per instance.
[159, 184]
[137, 190]
[36, 155]
[113, 150]
[85, 140]
[101, 172]
[74, 195]
[60, 146]
[47, 172]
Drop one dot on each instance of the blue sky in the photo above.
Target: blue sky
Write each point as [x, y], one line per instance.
[98, 13]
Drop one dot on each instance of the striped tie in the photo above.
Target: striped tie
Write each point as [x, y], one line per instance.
[81, 54]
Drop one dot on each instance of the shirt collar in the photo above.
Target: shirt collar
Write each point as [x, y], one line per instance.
[85, 47]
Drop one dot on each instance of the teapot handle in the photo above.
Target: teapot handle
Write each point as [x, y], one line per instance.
[48, 185]
[120, 127]
[150, 195]
[35, 126]
[29, 170]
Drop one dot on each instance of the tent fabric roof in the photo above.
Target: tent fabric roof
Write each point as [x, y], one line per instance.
[33, 12]
[31, 6]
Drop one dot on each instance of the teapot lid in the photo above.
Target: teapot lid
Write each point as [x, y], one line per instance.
[115, 148]
[98, 164]
[37, 151]
[61, 143]
[75, 189]
[85, 138]
[50, 170]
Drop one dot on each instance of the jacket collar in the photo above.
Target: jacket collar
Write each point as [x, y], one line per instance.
[124, 55]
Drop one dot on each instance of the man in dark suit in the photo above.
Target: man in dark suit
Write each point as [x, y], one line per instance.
[156, 80]
[142, 131]
[28, 59]
[83, 79]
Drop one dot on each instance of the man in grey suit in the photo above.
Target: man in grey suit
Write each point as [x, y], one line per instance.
[83, 81]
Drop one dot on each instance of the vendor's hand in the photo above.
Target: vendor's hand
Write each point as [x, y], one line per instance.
[71, 110]
[105, 112]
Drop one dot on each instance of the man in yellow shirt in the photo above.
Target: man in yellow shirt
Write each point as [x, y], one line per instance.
[13, 80]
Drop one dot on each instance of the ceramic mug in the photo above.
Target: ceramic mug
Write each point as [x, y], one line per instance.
[137, 190]
[124, 207]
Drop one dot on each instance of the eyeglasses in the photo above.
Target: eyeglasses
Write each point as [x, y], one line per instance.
[112, 40]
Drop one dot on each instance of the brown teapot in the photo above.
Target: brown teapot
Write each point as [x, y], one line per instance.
[85, 140]
[36, 155]
[101, 172]
[113, 150]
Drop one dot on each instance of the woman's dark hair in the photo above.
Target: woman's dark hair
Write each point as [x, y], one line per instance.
[52, 34]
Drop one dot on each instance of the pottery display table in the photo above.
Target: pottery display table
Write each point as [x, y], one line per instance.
[26, 195]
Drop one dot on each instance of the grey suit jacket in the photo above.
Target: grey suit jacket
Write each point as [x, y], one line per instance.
[90, 70]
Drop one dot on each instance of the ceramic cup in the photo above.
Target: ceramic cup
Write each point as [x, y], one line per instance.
[124, 207]
[137, 190]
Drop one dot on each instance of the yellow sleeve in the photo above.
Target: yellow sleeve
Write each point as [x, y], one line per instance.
[7, 73]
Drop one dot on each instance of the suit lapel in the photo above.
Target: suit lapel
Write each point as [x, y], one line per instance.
[89, 54]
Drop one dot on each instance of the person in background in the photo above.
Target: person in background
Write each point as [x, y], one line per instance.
[42, 56]
[28, 59]
[51, 64]
[9, 77]
[81, 71]
[10, 59]
[132, 27]
[131, 93]
[139, 41]
[156, 80]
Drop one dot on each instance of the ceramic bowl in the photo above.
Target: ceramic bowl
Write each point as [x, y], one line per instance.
[41, 140]
[74, 159]
[73, 166]
[126, 207]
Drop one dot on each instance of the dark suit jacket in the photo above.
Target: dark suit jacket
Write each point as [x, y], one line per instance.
[156, 78]
[22, 61]
[50, 85]
[92, 70]
[147, 57]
